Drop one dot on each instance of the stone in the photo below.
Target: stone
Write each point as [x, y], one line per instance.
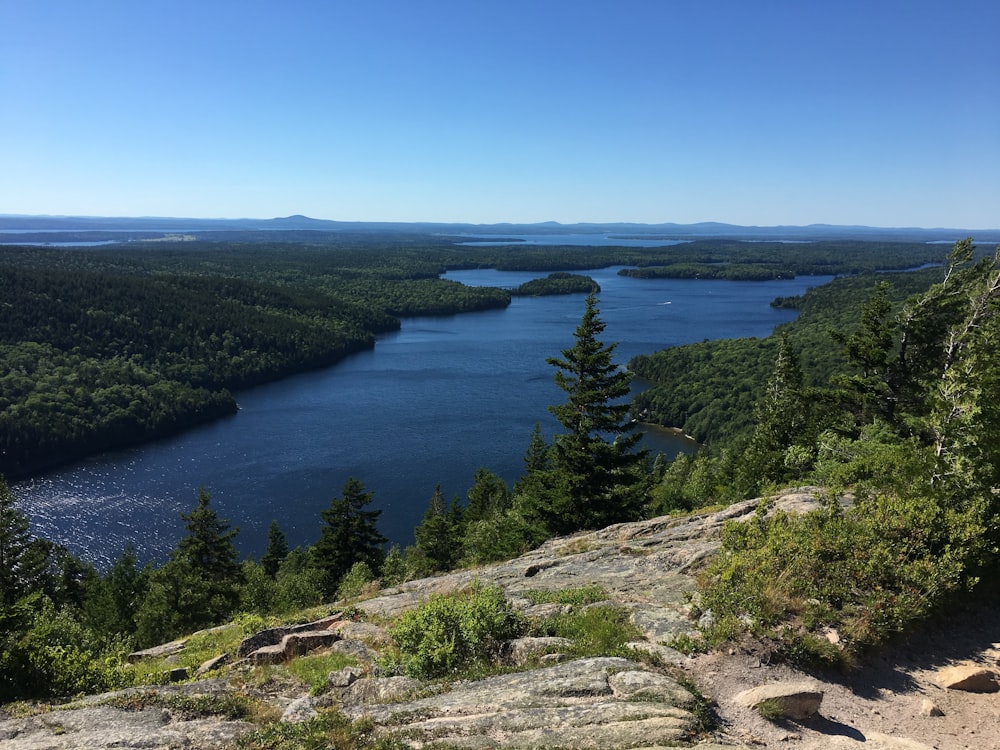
[585, 703]
[793, 700]
[376, 690]
[361, 631]
[520, 651]
[156, 652]
[971, 678]
[929, 708]
[299, 710]
[100, 727]
[267, 655]
[343, 677]
[177, 674]
[354, 649]
[214, 663]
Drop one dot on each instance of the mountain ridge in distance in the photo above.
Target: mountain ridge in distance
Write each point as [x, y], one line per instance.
[666, 230]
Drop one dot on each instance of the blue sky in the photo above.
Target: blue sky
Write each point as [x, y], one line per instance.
[884, 113]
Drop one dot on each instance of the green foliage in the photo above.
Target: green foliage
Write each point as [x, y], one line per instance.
[198, 586]
[314, 670]
[558, 283]
[597, 475]
[358, 579]
[597, 630]
[330, 730]
[438, 534]
[349, 535]
[394, 569]
[19, 569]
[276, 550]
[49, 653]
[451, 632]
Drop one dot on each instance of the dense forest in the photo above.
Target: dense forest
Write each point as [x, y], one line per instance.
[882, 388]
[110, 346]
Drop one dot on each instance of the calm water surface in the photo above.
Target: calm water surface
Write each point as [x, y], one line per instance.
[430, 404]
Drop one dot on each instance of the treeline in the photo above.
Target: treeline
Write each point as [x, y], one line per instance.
[558, 283]
[708, 389]
[104, 348]
[754, 261]
[909, 428]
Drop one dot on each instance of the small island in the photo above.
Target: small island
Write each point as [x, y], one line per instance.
[558, 283]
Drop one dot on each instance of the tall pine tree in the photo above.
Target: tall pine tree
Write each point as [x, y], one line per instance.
[597, 476]
[349, 535]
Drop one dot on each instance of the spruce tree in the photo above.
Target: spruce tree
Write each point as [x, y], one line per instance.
[276, 551]
[199, 585]
[436, 536]
[349, 535]
[597, 475]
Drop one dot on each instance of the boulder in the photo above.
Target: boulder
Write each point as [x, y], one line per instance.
[520, 651]
[299, 710]
[214, 663]
[790, 700]
[930, 708]
[156, 652]
[343, 677]
[972, 678]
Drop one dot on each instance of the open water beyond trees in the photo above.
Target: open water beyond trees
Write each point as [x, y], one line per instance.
[430, 404]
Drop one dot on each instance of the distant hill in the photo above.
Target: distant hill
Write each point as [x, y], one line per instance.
[10, 223]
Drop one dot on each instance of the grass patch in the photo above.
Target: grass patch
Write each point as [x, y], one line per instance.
[575, 597]
[314, 670]
[771, 709]
[330, 730]
[601, 630]
[230, 706]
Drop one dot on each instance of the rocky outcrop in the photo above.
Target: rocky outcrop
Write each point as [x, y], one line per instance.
[100, 727]
[585, 703]
[646, 567]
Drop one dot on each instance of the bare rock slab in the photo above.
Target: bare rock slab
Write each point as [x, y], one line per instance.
[585, 703]
[796, 700]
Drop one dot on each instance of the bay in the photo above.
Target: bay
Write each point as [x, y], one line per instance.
[428, 405]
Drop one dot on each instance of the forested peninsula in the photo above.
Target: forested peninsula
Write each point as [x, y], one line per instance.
[110, 346]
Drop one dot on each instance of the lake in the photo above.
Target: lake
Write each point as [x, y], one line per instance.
[428, 405]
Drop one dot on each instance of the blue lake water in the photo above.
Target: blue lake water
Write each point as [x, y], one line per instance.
[429, 404]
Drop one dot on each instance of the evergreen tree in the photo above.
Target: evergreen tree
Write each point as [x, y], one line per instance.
[436, 535]
[599, 476]
[780, 419]
[199, 585]
[276, 551]
[349, 535]
[488, 497]
[18, 567]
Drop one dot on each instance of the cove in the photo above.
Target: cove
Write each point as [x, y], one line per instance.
[429, 405]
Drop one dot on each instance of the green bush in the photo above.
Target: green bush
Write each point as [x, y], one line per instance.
[453, 631]
[355, 581]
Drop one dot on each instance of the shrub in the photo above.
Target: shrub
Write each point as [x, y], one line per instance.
[453, 631]
[356, 582]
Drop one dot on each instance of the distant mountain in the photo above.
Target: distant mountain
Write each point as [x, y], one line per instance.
[10, 223]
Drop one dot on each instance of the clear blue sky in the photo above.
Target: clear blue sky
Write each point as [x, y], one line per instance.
[878, 112]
